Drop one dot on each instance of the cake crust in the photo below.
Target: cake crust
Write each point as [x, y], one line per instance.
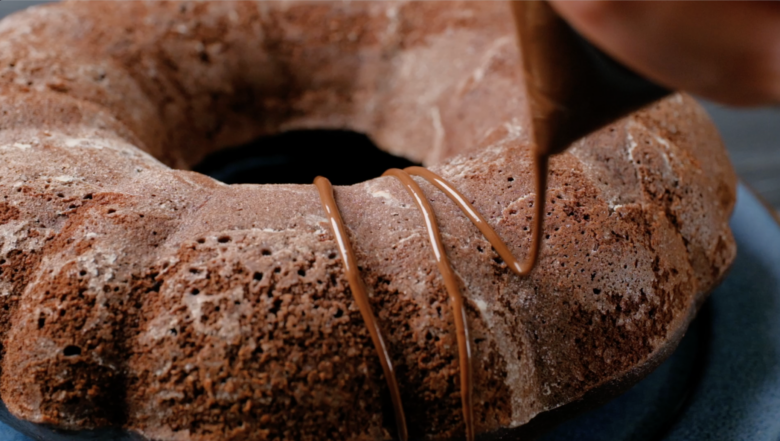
[141, 296]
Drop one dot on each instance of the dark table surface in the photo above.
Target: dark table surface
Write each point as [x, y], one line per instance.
[753, 140]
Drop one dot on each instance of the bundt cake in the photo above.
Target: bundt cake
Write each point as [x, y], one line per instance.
[140, 296]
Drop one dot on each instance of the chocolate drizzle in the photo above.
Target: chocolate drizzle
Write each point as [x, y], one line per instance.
[520, 268]
[358, 289]
[457, 300]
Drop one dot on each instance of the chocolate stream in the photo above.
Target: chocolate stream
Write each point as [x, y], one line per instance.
[358, 289]
[520, 268]
[526, 16]
[456, 298]
[457, 301]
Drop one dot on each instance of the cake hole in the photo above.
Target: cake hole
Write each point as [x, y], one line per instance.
[72, 351]
[302, 272]
[277, 305]
[41, 322]
[201, 240]
[596, 291]
[195, 291]
[258, 276]
[297, 157]
[339, 313]
[111, 211]
[223, 239]
[265, 252]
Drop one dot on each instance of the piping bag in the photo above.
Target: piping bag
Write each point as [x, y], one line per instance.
[573, 87]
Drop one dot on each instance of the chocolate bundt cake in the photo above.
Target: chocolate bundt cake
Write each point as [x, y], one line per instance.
[142, 296]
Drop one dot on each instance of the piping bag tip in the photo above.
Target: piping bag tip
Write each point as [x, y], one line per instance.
[573, 87]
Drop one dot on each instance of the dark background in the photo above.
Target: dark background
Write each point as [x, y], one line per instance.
[752, 136]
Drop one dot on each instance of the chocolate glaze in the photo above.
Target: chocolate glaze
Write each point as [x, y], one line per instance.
[361, 298]
[456, 298]
[445, 268]
[520, 268]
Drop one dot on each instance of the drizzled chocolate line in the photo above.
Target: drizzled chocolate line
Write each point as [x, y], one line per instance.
[456, 298]
[520, 268]
[358, 289]
[445, 268]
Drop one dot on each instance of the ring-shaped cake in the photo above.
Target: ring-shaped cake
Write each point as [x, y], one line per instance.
[141, 296]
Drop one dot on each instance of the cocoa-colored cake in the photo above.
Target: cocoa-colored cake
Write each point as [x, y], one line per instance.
[138, 295]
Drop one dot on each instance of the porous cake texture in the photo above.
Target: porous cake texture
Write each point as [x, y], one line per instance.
[139, 295]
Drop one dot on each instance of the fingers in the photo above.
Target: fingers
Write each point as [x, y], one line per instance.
[725, 51]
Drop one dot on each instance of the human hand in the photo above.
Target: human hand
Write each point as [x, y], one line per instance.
[727, 51]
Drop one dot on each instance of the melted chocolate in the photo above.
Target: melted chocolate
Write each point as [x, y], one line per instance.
[520, 268]
[450, 280]
[358, 289]
[456, 298]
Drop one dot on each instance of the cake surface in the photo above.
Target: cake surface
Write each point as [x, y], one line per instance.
[138, 295]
